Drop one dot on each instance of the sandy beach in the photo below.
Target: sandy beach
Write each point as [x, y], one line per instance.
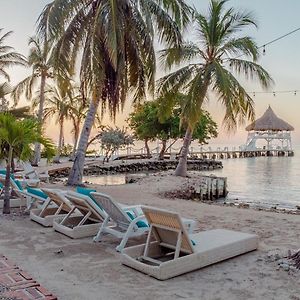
[81, 269]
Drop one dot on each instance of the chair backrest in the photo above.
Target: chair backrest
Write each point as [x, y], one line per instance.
[58, 198]
[85, 205]
[29, 171]
[113, 209]
[13, 184]
[166, 226]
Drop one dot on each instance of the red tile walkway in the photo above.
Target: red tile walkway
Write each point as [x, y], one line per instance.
[16, 284]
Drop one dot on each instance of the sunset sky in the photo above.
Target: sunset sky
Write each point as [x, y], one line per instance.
[275, 18]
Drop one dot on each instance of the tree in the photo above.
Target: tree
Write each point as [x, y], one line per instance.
[58, 102]
[20, 112]
[113, 139]
[152, 120]
[212, 63]
[41, 62]
[117, 54]
[16, 139]
[8, 56]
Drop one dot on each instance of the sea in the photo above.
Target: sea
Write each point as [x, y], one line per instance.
[259, 181]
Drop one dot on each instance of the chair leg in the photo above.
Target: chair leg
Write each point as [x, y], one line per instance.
[125, 237]
[97, 238]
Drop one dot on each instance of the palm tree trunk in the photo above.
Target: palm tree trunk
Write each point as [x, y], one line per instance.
[60, 142]
[6, 204]
[75, 177]
[181, 169]
[76, 135]
[37, 147]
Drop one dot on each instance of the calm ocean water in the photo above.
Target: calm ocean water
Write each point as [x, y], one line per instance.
[264, 181]
[260, 181]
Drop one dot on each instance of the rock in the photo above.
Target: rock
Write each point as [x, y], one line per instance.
[285, 267]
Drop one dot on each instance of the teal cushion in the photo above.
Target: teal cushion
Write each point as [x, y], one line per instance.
[1, 185]
[84, 191]
[139, 224]
[3, 172]
[37, 192]
[18, 183]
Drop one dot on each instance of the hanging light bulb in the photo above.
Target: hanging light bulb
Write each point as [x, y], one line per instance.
[274, 94]
[264, 50]
[254, 94]
[295, 93]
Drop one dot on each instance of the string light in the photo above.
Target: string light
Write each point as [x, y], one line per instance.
[274, 93]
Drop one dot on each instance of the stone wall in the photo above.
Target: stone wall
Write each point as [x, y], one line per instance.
[141, 166]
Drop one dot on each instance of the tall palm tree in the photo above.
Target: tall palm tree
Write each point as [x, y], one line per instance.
[8, 56]
[220, 52]
[16, 140]
[58, 103]
[40, 60]
[77, 114]
[114, 39]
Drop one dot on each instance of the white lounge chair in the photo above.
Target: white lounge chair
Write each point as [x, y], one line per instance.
[26, 197]
[174, 252]
[32, 174]
[56, 206]
[128, 221]
[78, 226]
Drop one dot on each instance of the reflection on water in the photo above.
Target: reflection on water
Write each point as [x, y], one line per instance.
[262, 181]
[265, 181]
[106, 179]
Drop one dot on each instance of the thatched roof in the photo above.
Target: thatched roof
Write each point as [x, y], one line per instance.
[269, 121]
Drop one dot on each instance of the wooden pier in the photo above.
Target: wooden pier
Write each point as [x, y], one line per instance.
[226, 154]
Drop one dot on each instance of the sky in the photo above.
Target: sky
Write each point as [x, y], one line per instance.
[275, 18]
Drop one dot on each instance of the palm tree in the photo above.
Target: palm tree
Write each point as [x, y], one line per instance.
[16, 139]
[20, 112]
[212, 63]
[77, 114]
[40, 61]
[58, 102]
[8, 57]
[117, 54]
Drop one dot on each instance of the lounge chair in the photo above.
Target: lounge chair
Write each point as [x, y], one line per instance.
[26, 197]
[56, 206]
[86, 224]
[32, 174]
[128, 222]
[174, 252]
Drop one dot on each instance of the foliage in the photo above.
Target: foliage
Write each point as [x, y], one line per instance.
[40, 61]
[220, 51]
[66, 150]
[8, 56]
[147, 123]
[16, 140]
[113, 139]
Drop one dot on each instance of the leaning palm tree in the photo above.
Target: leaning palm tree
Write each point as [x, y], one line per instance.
[40, 61]
[8, 56]
[219, 53]
[114, 40]
[16, 140]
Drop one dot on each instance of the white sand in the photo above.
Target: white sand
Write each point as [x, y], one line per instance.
[93, 271]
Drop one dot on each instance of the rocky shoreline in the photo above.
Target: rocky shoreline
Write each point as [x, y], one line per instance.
[139, 166]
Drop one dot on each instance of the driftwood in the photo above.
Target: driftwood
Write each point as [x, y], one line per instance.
[296, 258]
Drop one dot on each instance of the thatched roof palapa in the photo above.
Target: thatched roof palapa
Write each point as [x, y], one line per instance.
[269, 122]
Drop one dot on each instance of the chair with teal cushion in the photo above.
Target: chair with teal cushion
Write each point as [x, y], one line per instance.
[37, 192]
[125, 224]
[139, 224]
[84, 191]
